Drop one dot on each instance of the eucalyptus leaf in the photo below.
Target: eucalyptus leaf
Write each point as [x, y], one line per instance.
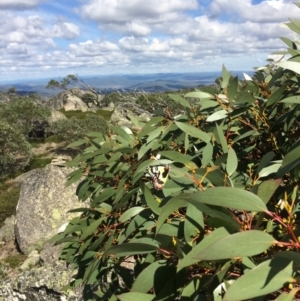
[217, 116]
[293, 66]
[180, 100]
[199, 94]
[241, 244]
[232, 162]
[134, 296]
[130, 213]
[128, 249]
[193, 131]
[234, 198]
[266, 278]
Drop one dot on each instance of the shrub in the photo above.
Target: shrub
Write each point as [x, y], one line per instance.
[29, 117]
[9, 197]
[71, 129]
[15, 151]
[224, 226]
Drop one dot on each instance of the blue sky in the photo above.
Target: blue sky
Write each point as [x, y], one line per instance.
[49, 38]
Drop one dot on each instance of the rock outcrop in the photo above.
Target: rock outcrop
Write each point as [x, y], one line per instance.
[43, 206]
[55, 116]
[42, 283]
[72, 100]
[42, 210]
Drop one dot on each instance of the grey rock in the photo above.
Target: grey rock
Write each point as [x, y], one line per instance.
[43, 206]
[44, 283]
[55, 116]
[120, 119]
[32, 260]
[72, 100]
[74, 103]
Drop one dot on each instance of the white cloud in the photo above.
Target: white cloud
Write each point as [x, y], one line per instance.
[124, 11]
[138, 29]
[66, 30]
[118, 15]
[265, 12]
[19, 4]
[136, 36]
[92, 48]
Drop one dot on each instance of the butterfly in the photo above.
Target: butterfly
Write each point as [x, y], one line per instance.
[158, 174]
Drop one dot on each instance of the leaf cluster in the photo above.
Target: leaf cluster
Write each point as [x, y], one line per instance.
[226, 224]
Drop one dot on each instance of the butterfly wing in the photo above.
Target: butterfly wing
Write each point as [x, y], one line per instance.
[158, 174]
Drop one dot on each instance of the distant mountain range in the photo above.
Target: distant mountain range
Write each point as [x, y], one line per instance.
[158, 82]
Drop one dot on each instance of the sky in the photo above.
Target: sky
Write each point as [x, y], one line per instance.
[54, 38]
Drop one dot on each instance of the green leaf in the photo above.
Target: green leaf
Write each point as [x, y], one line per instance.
[106, 194]
[82, 190]
[193, 131]
[122, 133]
[293, 66]
[292, 99]
[290, 43]
[290, 160]
[217, 116]
[221, 138]
[234, 198]
[276, 96]
[243, 244]
[220, 213]
[269, 170]
[190, 290]
[166, 210]
[208, 240]
[170, 284]
[225, 77]
[200, 94]
[297, 4]
[180, 100]
[145, 280]
[265, 161]
[207, 155]
[186, 142]
[264, 279]
[244, 97]
[128, 249]
[267, 188]
[149, 126]
[155, 133]
[208, 104]
[77, 143]
[91, 228]
[128, 214]
[151, 200]
[74, 176]
[294, 25]
[233, 88]
[133, 296]
[232, 162]
[193, 224]
[288, 296]
[145, 148]
[245, 135]
[137, 222]
[177, 157]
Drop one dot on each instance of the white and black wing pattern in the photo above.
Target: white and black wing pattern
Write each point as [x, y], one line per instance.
[158, 175]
